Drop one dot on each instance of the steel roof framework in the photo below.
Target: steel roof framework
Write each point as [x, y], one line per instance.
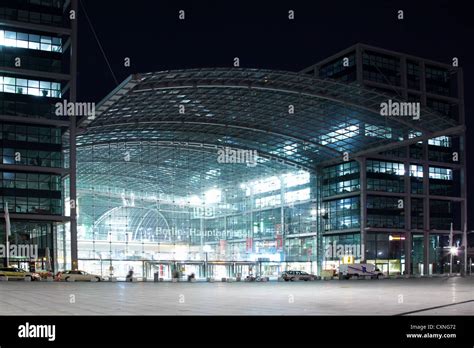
[238, 108]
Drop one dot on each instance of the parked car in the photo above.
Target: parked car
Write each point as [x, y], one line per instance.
[77, 276]
[297, 275]
[14, 273]
[359, 270]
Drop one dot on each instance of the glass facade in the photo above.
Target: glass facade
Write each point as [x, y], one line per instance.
[381, 68]
[343, 69]
[253, 221]
[31, 150]
[46, 12]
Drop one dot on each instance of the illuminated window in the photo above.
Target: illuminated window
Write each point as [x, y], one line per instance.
[345, 131]
[416, 171]
[262, 186]
[440, 141]
[30, 87]
[441, 173]
[296, 179]
[30, 41]
[378, 132]
[300, 195]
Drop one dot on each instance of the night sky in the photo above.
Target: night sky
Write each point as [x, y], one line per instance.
[260, 34]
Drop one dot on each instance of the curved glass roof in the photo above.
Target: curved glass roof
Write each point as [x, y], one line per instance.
[186, 116]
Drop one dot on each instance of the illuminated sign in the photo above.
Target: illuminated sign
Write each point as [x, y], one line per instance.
[390, 238]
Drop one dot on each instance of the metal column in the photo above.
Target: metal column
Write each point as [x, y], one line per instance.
[426, 210]
[72, 138]
[363, 207]
[407, 211]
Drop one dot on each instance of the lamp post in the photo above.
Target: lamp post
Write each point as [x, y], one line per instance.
[100, 258]
[451, 251]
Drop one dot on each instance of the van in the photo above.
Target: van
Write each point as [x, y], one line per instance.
[359, 270]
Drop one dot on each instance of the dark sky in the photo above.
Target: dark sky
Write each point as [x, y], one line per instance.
[260, 34]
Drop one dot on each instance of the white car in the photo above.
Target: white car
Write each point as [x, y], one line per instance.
[78, 276]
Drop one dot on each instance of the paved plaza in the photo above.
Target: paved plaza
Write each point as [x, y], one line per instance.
[425, 296]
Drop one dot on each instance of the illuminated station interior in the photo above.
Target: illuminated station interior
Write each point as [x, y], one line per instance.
[232, 172]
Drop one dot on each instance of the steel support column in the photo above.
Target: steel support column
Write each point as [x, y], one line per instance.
[426, 211]
[407, 211]
[72, 139]
[363, 207]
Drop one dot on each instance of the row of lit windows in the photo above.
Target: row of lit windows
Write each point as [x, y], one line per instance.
[342, 169]
[30, 41]
[341, 214]
[374, 166]
[442, 141]
[341, 187]
[274, 183]
[342, 223]
[30, 87]
[441, 173]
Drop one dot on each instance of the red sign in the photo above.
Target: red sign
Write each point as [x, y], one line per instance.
[249, 244]
[223, 244]
[279, 241]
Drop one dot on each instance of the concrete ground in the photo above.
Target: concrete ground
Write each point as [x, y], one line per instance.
[424, 296]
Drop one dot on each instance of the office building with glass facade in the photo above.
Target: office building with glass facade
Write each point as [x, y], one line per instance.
[399, 202]
[35, 73]
[231, 172]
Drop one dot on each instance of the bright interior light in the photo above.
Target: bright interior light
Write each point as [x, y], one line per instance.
[453, 250]
[213, 196]
[194, 200]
